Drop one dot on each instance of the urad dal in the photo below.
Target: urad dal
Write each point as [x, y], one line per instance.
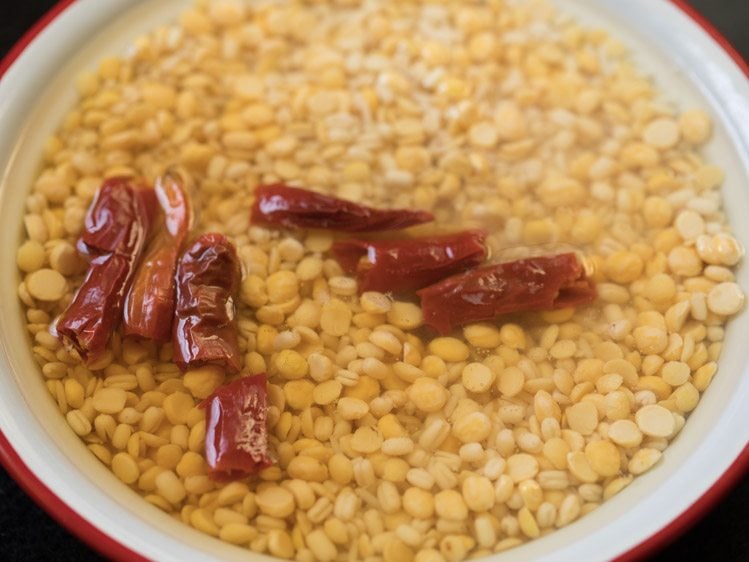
[392, 444]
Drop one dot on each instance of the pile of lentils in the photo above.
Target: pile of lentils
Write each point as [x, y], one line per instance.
[391, 444]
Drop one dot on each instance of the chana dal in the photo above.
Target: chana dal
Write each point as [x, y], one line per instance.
[390, 443]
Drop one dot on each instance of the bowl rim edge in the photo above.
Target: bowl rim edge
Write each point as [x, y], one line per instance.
[110, 547]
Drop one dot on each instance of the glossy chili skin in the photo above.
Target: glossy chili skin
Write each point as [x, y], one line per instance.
[533, 284]
[292, 207]
[236, 439]
[119, 218]
[149, 306]
[205, 330]
[407, 265]
[115, 232]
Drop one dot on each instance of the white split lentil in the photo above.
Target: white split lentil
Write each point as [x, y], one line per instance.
[582, 417]
[725, 299]
[662, 133]
[655, 420]
[643, 460]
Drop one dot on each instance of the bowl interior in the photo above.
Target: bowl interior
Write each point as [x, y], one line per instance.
[688, 67]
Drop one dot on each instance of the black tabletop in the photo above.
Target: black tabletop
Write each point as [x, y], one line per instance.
[27, 533]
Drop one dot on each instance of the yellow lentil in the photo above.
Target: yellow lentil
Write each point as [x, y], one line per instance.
[427, 394]
[275, 501]
[203, 381]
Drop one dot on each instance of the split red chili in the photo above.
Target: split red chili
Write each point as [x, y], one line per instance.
[533, 284]
[205, 330]
[407, 265]
[292, 207]
[115, 232]
[236, 439]
[149, 306]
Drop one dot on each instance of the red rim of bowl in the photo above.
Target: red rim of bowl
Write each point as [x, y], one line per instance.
[113, 549]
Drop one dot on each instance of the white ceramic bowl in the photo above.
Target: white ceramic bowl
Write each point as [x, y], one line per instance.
[52, 464]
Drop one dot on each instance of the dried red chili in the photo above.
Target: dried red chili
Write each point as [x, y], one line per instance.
[114, 235]
[149, 306]
[293, 207]
[118, 219]
[205, 330]
[407, 265]
[541, 283]
[236, 440]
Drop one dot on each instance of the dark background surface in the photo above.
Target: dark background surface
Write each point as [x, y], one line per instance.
[27, 533]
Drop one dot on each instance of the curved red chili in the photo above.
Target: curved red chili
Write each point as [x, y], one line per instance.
[292, 207]
[407, 265]
[119, 218]
[205, 331]
[149, 306]
[236, 440]
[114, 235]
[541, 283]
